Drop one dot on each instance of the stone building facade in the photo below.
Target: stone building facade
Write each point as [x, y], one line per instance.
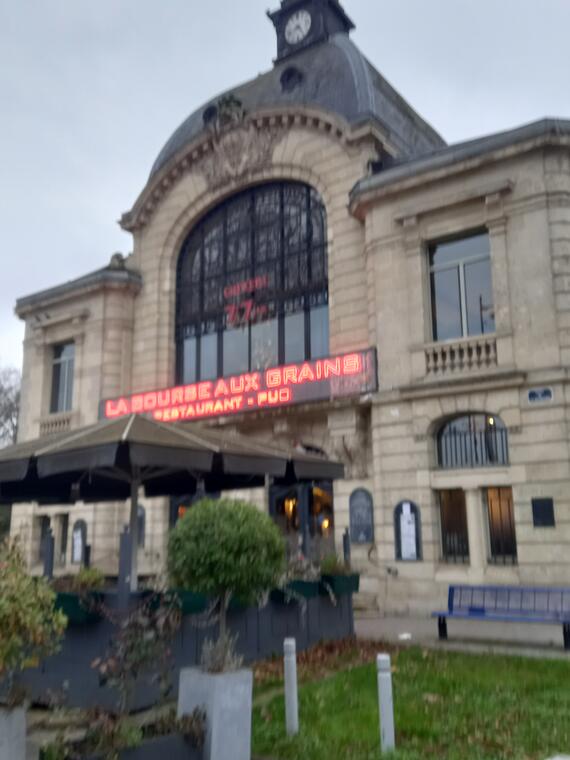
[451, 263]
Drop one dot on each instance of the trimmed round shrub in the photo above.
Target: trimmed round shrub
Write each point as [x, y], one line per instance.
[225, 548]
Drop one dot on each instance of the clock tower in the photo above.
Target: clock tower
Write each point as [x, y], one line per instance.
[302, 23]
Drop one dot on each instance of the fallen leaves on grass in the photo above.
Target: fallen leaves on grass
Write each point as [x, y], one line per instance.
[324, 659]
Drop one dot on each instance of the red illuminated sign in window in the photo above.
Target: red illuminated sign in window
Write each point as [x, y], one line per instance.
[318, 380]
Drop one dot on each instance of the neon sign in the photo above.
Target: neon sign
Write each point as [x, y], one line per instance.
[245, 311]
[318, 380]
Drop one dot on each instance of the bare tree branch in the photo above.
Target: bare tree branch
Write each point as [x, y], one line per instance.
[9, 405]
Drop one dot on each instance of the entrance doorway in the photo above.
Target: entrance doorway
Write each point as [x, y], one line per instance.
[305, 515]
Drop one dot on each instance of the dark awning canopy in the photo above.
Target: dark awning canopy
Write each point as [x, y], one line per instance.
[99, 463]
[112, 460]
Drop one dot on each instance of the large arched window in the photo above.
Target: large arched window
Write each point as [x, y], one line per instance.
[473, 440]
[252, 284]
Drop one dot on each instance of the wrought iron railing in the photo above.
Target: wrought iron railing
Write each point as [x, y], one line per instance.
[487, 448]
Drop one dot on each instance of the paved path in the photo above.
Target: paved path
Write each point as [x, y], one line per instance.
[525, 639]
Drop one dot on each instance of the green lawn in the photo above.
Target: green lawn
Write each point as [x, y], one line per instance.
[447, 706]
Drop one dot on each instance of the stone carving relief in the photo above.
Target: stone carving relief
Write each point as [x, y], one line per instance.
[239, 147]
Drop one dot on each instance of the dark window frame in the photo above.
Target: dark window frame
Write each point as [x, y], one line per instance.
[262, 221]
[62, 376]
[454, 544]
[474, 448]
[459, 264]
[501, 531]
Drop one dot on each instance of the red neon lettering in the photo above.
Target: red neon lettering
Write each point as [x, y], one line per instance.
[205, 390]
[221, 389]
[116, 408]
[332, 367]
[237, 384]
[226, 395]
[252, 382]
[273, 377]
[137, 404]
[190, 393]
[178, 396]
[290, 375]
[163, 398]
[306, 374]
[352, 364]
[149, 402]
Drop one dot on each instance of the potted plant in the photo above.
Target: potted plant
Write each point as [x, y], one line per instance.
[224, 549]
[30, 629]
[300, 582]
[337, 577]
[139, 655]
[78, 596]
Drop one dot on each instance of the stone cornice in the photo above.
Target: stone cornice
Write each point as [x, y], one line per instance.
[240, 150]
[457, 160]
[103, 279]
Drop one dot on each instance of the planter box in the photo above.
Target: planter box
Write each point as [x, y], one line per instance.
[340, 584]
[173, 747]
[227, 700]
[13, 734]
[305, 589]
[190, 603]
[79, 609]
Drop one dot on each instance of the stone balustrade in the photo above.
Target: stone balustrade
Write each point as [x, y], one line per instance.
[56, 423]
[460, 356]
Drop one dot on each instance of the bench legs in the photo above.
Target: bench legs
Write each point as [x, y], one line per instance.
[442, 628]
[566, 631]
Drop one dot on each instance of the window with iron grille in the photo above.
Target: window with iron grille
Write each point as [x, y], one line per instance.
[252, 284]
[461, 287]
[473, 440]
[63, 364]
[453, 520]
[502, 536]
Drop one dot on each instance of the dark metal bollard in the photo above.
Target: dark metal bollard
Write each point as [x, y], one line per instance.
[49, 554]
[346, 546]
[124, 582]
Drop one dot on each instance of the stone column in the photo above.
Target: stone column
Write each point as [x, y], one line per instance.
[475, 528]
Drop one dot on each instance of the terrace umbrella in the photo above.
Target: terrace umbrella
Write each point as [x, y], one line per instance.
[112, 460]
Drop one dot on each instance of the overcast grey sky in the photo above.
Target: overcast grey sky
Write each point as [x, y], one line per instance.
[90, 91]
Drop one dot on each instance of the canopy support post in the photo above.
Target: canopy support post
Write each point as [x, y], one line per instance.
[134, 530]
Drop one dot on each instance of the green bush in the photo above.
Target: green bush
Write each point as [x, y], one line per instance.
[87, 579]
[226, 549]
[333, 565]
[30, 626]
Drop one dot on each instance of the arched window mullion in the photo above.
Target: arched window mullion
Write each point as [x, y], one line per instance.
[267, 230]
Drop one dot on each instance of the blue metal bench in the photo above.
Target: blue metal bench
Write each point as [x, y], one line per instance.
[507, 604]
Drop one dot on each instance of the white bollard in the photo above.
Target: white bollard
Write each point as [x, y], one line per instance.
[291, 697]
[385, 703]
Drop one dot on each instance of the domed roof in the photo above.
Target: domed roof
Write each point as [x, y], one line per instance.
[332, 76]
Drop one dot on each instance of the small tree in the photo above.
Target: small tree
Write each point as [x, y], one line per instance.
[225, 549]
[9, 405]
[30, 626]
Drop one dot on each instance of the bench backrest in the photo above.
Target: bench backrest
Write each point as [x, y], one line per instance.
[541, 603]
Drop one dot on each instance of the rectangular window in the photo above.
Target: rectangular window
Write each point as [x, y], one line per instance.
[209, 356]
[295, 337]
[461, 288]
[319, 332]
[502, 538]
[63, 539]
[264, 345]
[63, 364]
[236, 351]
[454, 536]
[189, 358]
[45, 525]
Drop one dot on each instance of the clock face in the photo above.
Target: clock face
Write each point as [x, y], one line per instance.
[298, 27]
